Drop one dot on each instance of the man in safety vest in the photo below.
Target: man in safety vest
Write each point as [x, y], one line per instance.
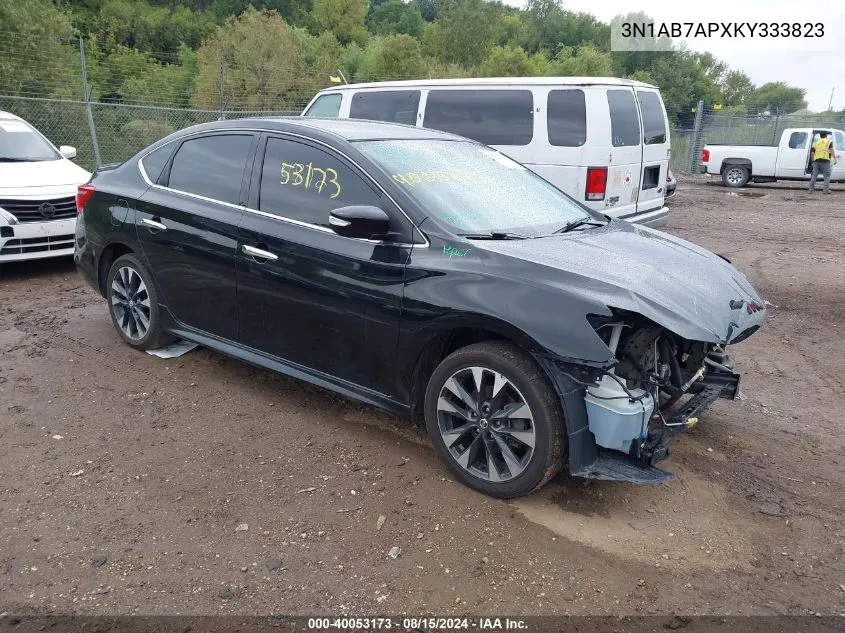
[822, 155]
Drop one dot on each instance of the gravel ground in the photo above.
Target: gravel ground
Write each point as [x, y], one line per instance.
[200, 485]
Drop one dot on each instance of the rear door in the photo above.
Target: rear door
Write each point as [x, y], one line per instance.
[625, 154]
[838, 170]
[655, 150]
[793, 155]
[187, 224]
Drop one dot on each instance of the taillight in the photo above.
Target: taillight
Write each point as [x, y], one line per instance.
[596, 183]
[705, 156]
[83, 195]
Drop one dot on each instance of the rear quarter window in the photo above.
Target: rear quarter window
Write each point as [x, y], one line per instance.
[154, 162]
[492, 117]
[327, 107]
[797, 140]
[654, 123]
[395, 106]
[624, 118]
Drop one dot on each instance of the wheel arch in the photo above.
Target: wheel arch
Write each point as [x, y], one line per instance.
[732, 162]
[455, 335]
[107, 257]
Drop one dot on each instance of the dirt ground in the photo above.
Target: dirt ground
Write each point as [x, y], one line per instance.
[200, 485]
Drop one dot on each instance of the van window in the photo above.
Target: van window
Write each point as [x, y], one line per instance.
[492, 117]
[567, 118]
[797, 140]
[624, 119]
[654, 124]
[398, 106]
[327, 106]
[838, 141]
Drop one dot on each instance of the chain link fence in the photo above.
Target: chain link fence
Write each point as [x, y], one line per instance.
[110, 110]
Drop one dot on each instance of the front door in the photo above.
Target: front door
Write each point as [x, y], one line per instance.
[322, 302]
[188, 229]
[837, 171]
[793, 158]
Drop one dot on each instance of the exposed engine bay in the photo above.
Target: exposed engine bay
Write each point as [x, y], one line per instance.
[658, 387]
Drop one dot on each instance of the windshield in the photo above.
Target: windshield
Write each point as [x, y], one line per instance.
[474, 188]
[19, 142]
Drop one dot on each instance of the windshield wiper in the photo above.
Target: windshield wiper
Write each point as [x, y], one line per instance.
[494, 235]
[10, 159]
[576, 223]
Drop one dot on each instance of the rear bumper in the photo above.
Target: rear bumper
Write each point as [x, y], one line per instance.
[85, 256]
[655, 219]
[37, 240]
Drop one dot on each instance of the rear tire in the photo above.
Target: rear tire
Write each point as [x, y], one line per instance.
[495, 420]
[735, 176]
[133, 304]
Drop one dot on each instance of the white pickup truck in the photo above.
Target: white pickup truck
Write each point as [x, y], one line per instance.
[789, 160]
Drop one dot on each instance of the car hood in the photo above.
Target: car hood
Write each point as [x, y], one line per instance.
[21, 178]
[683, 287]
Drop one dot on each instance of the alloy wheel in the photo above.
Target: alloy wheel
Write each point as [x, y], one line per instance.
[486, 424]
[130, 302]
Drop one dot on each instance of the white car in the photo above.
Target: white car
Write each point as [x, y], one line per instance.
[37, 193]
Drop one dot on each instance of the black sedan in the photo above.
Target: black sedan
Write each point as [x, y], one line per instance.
[425, 274]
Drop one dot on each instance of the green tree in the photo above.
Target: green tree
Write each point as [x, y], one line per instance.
[428, 9]
[507, 61]
[777, 97]
[736, 87]
[392, 57]
[262, 64]
[344, 18]
[38, 56]
[467, 31]
[584, 61]
[395, 16]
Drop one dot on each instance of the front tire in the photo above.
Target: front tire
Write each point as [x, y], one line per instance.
[735, 176]
[133, 304]
[495, 420]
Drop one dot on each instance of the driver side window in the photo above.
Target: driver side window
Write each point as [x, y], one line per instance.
[798, 140]
[303, 183]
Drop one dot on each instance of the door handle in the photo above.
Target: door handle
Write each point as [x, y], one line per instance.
[152, 224]
[257, 253]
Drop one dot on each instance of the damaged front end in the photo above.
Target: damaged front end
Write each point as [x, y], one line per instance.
[620, 418]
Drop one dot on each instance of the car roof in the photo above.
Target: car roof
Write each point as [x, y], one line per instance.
[9, 116]
[496, 81]
[328, 129]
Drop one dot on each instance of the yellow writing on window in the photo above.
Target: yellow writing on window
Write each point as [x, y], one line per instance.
[308, 176]
[413, 178]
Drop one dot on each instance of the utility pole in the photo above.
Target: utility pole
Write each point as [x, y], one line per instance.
[830, 103]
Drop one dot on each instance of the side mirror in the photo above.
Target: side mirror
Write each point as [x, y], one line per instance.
[359, 221]
[67, 151]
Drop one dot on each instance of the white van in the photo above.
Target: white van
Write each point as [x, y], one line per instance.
[604, 141]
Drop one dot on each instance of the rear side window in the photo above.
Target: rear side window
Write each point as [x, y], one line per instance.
[327, 106]
[654, 124]
[797, 140]
[492, 117]
[624, 119]
[399, 106]
[154, 162]
[567, 118]
[303, 183]
[211, 166]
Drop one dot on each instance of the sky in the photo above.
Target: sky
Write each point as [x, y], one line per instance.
[817, 65]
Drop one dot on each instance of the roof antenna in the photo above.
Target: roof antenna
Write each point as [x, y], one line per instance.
[343, 76]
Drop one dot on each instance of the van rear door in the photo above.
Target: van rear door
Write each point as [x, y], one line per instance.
[655, 150]
[625, 155]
